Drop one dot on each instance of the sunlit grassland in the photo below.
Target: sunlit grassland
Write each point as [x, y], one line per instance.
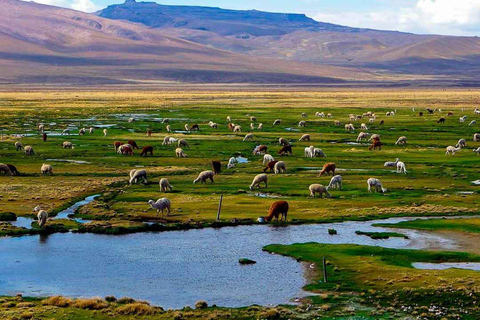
[433, 178]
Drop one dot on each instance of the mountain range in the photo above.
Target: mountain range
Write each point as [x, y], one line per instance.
[148, 43]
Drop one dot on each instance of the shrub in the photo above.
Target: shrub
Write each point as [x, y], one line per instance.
[90, 304]
[125, 300]
[110, 299]
[58, 301]
[270, 314]
[138, 309]
[201, 305]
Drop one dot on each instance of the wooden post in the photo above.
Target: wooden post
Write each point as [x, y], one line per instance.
[219, 207]
[325, 278]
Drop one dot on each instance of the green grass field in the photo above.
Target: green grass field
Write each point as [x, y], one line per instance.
[367, 282]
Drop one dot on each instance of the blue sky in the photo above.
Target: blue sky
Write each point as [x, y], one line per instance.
[451, 17]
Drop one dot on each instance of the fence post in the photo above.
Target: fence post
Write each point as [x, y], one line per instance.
[219, 207]
[325, 278]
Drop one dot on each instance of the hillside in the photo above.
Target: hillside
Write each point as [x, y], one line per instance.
[296, 37]
[46, 44]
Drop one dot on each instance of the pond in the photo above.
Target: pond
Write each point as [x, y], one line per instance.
[178, 268]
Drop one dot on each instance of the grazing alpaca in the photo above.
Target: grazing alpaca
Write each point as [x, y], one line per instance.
[19, 145]
[382, 123]
[44, 137]
[13, 169]
[195, 127]
[461, 143]
[402, 140]
[259, 178]
[203, 176]
[179, 153]
[42, 216]
[160, 205]
[318, 188]
[5, 169]
[280, 167]
[231, 162]
[452, 150]
[401, 167]
[270, 166]
[133, 144]
[164, 185]
[127, 151]
[261, 149]
[283, 142]
[441, 120]
[327, 168]
[216, 167]
[248, 136]
[276, 209]
[136, 175]
[146, 150]
[305, 137]
[117, 144]
[29, 151]
[46, 169]
[376, 144]
[285, 150]
[373, 182]
[391, 164]
[335, 183]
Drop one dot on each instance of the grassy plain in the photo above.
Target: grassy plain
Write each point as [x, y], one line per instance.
[436, 184]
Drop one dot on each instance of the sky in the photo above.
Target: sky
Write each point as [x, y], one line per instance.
[449, 17]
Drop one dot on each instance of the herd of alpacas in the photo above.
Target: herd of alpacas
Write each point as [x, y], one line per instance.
[278, 208]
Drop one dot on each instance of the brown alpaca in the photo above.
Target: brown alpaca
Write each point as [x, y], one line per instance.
[260, 149]
[13, 169]
[441, 120]
[230, 126]
[376, 144]
[117, 144]
[285, 150]
[195, 127]
[146, 150]
[450, 114]
[44, 137]
[127, 151]
[270, 166]
[276, 209]
[216, 167]
[327, 168]
[149, 133]
[133, 144]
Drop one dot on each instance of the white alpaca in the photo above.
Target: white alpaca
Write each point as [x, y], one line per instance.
[280, 167]
[267, 158]
[259, 178]
[374, 182]
[165, 185]
[309, 152]
[160, 205]
[401, 167]
[248, 136]
[42, 216]
[335, 182]
[452, 150]
[362, 136]
[477, 151]
[231, 162]
[391, 164]
[105, 132]
[363, 126]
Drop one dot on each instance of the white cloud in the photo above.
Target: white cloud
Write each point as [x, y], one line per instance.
[84, 5]
[453, 17]
[80, 5]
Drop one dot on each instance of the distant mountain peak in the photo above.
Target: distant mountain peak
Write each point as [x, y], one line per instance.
[130, 1]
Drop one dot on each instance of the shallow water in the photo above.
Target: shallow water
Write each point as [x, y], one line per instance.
[449, 265]
[242, 160]
[25, 222]
[174, 269]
